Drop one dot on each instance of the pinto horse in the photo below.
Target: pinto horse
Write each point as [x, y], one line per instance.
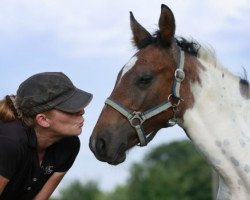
[174, 81]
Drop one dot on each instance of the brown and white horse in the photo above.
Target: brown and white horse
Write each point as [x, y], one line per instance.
[172, 81]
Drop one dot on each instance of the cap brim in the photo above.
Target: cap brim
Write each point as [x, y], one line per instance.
[79, 100]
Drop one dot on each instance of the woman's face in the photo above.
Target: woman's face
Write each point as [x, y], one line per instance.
[66, 124]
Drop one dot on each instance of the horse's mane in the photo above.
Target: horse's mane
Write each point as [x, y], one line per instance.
[192, 47]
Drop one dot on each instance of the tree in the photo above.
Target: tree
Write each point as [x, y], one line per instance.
[171, 171]
[78, 191]
[119, 193]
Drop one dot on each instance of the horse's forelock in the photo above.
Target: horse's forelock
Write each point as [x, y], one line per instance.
[191, 47]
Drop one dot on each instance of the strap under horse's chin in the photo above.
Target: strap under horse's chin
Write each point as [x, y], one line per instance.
[137, 119]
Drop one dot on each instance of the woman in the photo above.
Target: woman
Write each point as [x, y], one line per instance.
[39, 129]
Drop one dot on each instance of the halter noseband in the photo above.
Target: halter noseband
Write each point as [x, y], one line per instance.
[136, 118]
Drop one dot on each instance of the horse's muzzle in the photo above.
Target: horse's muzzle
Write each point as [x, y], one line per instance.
[106, 153]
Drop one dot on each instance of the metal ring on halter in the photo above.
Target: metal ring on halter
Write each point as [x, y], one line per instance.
[136, 116]
[179, 75]
[174, 104]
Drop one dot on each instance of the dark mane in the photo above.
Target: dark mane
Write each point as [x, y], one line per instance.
[244, 78]
[244, 86]
[191, 47]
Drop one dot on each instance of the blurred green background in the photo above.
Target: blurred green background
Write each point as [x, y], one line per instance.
[171, 171]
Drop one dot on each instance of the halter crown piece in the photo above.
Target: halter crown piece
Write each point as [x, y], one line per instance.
[137, 119]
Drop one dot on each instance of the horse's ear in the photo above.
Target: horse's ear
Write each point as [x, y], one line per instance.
[139, 32]
[166, 24]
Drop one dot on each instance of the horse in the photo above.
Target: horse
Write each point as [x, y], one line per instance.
[174, 81]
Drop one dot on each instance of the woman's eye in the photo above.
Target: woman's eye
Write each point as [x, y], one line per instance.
[145, 80]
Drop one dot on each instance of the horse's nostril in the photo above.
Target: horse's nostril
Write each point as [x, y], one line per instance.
[101, 147]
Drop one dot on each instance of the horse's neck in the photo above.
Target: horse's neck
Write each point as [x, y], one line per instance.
[218, 124]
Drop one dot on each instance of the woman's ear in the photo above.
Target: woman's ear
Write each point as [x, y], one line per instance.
[42, 120]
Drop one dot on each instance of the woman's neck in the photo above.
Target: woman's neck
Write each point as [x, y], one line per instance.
[44, 139]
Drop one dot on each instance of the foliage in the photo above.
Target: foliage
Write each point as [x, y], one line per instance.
[78, 191]
[171, 171]
[120, 193]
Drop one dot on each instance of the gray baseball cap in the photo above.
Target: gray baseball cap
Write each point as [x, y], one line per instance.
[50, 90]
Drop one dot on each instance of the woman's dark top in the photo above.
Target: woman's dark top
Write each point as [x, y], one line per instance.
[20, 164]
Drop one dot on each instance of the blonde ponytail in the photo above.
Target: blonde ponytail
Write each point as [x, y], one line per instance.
[10, 112]
[6, 110]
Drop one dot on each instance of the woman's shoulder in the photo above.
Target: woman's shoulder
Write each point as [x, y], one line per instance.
[13, 144]
[14, 131]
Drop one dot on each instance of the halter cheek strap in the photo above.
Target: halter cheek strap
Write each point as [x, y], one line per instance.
[179, 75]
[137, 119]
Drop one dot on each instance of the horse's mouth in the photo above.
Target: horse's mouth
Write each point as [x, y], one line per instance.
[120, 155]
[122, 152]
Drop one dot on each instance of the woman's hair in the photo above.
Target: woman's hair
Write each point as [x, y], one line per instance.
[6, 112]
[9, 111]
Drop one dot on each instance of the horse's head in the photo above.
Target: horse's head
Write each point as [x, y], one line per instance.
[146, 96]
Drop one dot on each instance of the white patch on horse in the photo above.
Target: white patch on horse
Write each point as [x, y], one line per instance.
[235, 161]
[128, 66]
[219, 124]
[226, 142]
[247, 168]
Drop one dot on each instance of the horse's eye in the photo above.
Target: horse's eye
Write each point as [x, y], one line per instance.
[144, 81]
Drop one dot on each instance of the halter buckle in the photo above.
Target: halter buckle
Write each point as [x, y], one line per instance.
[179, 75]
[174, 104]
[171, 122]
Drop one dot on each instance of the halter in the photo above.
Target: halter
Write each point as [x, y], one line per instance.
[137, 119]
